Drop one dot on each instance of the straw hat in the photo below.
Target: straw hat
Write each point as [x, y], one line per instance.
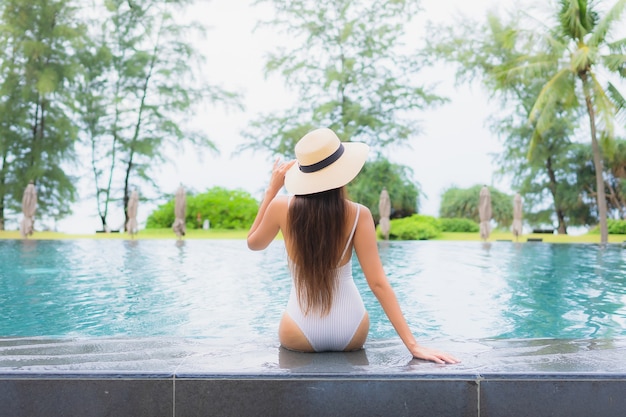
[324, 163]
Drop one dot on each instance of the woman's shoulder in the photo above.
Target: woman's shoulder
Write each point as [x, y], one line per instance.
[279, 203]
[363, 210]
[281, 199]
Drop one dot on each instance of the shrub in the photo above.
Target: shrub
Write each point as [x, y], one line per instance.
[459, 225]
[162, 217]
[415, 227]
[225, 209]
[616, 227]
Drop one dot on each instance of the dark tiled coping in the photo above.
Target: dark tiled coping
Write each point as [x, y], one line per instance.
[198, 377]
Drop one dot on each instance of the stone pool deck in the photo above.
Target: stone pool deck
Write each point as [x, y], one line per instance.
[198, 377]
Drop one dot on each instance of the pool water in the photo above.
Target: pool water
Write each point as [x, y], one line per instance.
[219, 289]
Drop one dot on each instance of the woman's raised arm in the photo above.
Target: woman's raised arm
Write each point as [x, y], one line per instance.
[267, 221]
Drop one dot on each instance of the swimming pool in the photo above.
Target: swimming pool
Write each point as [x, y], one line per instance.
[218, 289]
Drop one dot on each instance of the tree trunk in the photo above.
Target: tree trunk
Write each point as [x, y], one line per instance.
[129, 168]
[597, 162]
[2, 191]
[614, 198]
[100, 206]
[562, 228]
[142, 106]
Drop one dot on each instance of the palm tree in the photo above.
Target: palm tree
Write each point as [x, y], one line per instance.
[576, 51]
[497, 53]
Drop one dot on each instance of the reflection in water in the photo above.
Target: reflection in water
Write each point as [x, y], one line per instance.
[565, 289]
[223, 291]
[537, 285]
[509, 290]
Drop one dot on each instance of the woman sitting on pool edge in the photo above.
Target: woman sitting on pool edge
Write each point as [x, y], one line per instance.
[321, 227]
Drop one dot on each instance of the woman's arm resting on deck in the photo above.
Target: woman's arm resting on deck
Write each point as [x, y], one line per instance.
[367, 251]
[267, 222]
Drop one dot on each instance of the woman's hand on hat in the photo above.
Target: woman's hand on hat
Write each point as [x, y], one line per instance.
[277, 181]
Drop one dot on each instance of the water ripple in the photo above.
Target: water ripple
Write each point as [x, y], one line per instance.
[220, 289]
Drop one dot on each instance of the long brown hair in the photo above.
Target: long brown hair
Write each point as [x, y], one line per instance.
[316, 225]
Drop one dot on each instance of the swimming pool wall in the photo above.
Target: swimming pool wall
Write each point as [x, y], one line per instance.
[175, 378]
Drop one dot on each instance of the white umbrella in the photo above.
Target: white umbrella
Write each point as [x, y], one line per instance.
[384, 210]
[133, 203]
[517, 216]
[29, 206]
[484, 212]
[180, 206]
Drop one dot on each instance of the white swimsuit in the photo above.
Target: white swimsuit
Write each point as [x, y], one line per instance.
[334, 331]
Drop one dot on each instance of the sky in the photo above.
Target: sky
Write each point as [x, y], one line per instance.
[455, 148]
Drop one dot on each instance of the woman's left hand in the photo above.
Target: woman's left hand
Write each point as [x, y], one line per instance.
[433, 355]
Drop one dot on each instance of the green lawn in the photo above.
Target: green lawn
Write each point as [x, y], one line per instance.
[495, 236]
[142, 235]
[241, 234]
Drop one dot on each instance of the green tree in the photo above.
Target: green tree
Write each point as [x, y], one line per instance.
[535, 161]
[616, 181]
[581, 161]
[543, 174]
[344, 62]
[141, 67]
[557, 182]
[568, 56]
[463, 203]
[38, 39]
[404, 192]
[92, 101]
[578, 46]
[13, 117]
[583, 49]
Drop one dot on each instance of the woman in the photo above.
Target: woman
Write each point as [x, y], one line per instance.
[321, 227]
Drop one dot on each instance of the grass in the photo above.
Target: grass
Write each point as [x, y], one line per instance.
[142, 235]
[241, 234]
[548, 238]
